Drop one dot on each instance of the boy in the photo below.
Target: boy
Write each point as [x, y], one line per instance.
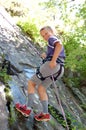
[52, 66]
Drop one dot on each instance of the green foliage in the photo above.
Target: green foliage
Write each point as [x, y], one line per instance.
[12, 118]
[29, 27]
[10, 106]
[83, 106]
[6, 89]
[50, 3]
[57, 115]
[3, 76]
[78, 56]
[82, 11]
[71, 121]
[75, 55]
[75, 46]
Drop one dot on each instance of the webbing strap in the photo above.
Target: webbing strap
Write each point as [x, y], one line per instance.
[49, 59]
[39, 75]
[58, 73]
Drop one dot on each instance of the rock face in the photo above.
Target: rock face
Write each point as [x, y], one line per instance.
[3, 110]
[23, 58]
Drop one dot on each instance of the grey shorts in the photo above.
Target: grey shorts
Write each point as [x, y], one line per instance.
[45, 70]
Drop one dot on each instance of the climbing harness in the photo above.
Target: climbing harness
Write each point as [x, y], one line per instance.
[59, 101]
[56, 75]
[40, 76]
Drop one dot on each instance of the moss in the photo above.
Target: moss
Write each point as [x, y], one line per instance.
[10, 106]
[12, 115]
[58, 116]
[83, 106]
[52, 122]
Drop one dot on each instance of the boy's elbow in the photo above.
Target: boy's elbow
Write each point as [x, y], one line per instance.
[59, 44]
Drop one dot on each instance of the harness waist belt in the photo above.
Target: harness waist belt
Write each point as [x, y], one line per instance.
[49, 59]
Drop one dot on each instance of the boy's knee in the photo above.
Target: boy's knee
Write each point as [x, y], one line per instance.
[41, 89]
[30, 82]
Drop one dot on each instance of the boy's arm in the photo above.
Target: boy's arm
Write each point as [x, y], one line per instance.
[58, 47]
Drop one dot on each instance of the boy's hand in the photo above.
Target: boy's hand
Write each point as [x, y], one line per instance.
[52, 64]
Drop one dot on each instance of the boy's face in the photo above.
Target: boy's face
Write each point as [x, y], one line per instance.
[46, 34]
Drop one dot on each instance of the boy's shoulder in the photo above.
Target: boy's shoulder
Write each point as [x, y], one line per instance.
[53, 38]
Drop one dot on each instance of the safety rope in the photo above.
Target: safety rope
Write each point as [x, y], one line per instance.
[59, 101]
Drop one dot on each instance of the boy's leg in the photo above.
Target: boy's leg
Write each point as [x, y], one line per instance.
[45, 71]
[44, 115]
[31, 91]
[31, 87]
[26, 111]
[43, 98]
[42, 86]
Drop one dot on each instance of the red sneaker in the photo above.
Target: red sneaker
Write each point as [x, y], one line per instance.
[42, 117]
[23, 109]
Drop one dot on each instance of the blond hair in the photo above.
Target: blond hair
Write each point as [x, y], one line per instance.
[47, 28]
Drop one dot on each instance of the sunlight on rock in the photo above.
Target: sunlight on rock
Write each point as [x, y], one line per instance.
[2, 91]
[6, 16]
